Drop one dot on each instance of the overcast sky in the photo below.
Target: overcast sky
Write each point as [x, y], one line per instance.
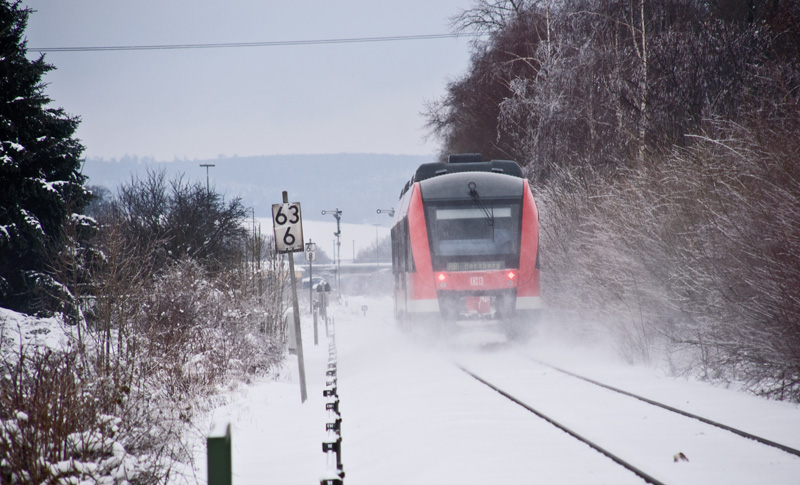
[202, 103]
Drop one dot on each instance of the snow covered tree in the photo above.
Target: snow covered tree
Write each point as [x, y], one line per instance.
[39, 168]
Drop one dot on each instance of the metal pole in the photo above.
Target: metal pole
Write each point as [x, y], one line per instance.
[337, 247]
[335, 270]
[207, 165]
[316, 330]
[338, 216]
[310, 280]
[297, 332]
[377, 263]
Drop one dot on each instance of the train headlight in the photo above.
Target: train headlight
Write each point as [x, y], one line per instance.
[441, 277]
[511, 275]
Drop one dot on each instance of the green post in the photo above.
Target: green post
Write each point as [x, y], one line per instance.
[218, 445]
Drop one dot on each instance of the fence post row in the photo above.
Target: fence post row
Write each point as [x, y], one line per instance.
[218, 454]
[333, 443]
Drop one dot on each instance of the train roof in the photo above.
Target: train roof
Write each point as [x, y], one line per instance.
[465, 162]
[460, 186]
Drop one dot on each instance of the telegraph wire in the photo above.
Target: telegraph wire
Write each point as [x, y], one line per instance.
[228, 45]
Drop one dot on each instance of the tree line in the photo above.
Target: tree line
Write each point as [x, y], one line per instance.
[661, 138]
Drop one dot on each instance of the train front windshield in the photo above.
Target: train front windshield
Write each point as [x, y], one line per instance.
[466, 236]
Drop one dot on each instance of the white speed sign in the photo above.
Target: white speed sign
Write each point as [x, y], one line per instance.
[311, 252]
[288, 225]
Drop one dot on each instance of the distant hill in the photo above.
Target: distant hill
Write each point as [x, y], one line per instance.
[357, 184]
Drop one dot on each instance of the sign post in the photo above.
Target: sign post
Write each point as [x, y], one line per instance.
[311, 256]
[287, 223]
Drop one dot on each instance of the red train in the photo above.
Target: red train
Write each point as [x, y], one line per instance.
[465, 242]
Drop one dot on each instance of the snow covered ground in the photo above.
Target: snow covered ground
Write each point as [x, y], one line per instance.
[19, 331]
[412, 417]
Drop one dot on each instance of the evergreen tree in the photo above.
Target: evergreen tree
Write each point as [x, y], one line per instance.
[39, 168]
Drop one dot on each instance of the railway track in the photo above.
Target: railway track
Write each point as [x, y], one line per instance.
[649, 438]
[646, 477]
[675, 410]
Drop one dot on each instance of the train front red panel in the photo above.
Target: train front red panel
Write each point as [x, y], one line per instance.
[476, 281]
[421, 282]
[529, 249]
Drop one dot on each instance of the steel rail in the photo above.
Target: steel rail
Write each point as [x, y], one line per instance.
[687, 414]
[641, 474]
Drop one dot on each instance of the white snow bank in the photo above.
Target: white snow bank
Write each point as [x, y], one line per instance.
[20, 331]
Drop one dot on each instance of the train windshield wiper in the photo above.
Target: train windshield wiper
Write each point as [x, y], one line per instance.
[489, 215]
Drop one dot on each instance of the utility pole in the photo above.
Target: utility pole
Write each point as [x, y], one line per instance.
[207, 165]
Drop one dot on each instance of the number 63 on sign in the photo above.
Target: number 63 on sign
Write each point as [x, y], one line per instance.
[287, 222]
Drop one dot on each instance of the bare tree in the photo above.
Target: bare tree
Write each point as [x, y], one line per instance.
[186, 220]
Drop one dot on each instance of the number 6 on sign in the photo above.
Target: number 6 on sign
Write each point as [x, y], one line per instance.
[288, 225]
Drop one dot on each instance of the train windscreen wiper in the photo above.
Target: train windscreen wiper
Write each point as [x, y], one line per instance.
[489, 215]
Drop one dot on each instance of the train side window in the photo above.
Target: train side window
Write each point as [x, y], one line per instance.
[409, 256]
[404, 246]
[395, 262]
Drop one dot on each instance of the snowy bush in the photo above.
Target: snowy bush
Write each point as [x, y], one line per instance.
[52, 426]
[736, 233]
[113, 411]
[697, 249]
[109, 400]
[202, 331]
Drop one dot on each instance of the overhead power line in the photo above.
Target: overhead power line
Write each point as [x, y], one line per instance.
[353, 40]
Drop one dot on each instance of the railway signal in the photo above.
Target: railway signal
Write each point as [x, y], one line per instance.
[337, 214]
